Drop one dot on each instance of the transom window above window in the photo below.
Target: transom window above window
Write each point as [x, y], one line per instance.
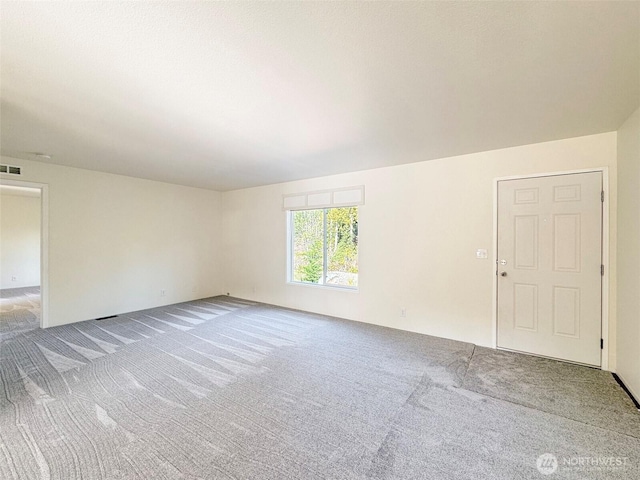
[323, 246]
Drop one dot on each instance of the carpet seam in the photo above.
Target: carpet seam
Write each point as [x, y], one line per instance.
[551, 413]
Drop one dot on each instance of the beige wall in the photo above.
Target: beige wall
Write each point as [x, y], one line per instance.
[115, 242]
[419, 230]
[629, 253]
[19, 241]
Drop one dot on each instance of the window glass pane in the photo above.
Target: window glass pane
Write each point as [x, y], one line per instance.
[342, 246]
[307, 245]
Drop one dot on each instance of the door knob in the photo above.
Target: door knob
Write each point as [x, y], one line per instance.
[503, 274]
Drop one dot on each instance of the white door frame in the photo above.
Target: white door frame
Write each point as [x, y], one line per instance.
[44, 243]
[604, 359]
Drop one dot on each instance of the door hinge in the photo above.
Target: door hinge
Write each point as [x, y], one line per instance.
[602, 196]
[602, 344]
[602, 270]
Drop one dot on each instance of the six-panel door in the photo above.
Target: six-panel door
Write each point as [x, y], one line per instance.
[549, 261]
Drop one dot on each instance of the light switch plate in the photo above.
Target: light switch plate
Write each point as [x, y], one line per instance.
[482, 253]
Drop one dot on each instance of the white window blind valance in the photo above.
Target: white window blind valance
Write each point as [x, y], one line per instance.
[338, 197]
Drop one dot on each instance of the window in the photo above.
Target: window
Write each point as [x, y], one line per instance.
[324, 246]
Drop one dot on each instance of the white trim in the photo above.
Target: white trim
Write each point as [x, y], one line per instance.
[289, 247]
[44, 243]
[604, 359]
[494, 309]
[342, 288]
[604, 354]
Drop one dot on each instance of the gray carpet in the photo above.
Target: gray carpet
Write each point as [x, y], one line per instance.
[223, 388]
[19, 311]
[571, 391]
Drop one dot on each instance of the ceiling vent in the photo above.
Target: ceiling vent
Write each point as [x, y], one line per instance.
[10, 170]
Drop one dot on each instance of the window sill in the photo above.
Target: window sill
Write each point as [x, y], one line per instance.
[339, 288]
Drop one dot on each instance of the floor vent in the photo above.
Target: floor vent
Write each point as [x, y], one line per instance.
[10, 170]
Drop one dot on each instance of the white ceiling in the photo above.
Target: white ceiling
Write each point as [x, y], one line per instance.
[231, 95]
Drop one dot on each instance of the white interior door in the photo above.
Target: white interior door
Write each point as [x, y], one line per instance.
[549, 266]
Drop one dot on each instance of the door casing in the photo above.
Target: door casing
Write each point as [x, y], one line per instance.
[605, 253]
[44, 243]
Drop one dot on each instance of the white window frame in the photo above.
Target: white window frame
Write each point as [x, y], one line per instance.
[321, 284]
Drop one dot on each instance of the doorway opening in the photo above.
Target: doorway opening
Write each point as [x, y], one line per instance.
[23, 286]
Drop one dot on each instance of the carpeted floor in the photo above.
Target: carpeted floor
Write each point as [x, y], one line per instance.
[224, 388]
[19, 311]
